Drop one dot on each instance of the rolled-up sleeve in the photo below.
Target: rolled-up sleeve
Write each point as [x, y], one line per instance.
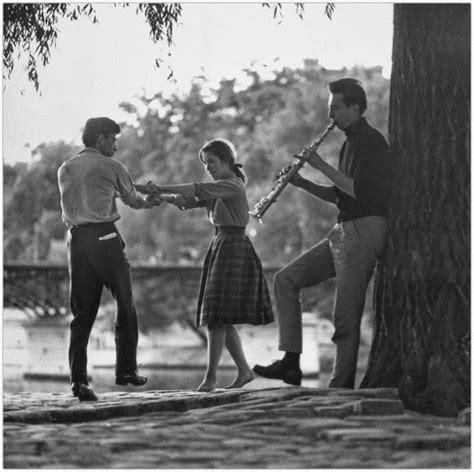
[124, 182]
[372, 176]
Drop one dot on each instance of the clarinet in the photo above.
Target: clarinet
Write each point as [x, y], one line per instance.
[285, 175]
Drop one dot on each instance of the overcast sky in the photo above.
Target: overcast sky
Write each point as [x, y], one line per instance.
[95, 67]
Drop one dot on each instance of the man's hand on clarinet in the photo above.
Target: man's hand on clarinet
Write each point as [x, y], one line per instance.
[314, 159]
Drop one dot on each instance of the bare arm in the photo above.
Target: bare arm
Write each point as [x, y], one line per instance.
[187, 190]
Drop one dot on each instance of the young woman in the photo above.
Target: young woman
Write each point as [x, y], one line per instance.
[233, 289]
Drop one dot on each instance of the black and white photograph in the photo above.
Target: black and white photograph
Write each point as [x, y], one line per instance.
[236, 235]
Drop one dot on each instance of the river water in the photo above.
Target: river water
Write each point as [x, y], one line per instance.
[172, 360]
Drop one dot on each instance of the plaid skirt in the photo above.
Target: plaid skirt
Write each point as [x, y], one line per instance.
[233, 289]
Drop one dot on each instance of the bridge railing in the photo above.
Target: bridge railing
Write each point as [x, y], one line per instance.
[42, 290]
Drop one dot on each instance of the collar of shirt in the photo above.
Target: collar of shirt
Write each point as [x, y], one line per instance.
[89, 149]
[355, 127]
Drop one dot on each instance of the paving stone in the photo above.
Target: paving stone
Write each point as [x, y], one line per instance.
[298, 411]
[314, 426]
[393, 420]
[20, 461]
[196, 455]
[387, 393]
[241, 443]
[339, 411]
[433, 441]
[359, 434]
[464, 416]
[275, 428]
[460, 430]
[255, 411]
[379, 407]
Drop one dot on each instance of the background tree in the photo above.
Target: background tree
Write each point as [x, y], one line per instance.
[32, 212]
[422, 332]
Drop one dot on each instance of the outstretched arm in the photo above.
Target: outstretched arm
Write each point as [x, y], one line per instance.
[187, 190]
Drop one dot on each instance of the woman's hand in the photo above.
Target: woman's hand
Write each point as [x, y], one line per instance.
[152, 200]
[148, 188]
[175, 199]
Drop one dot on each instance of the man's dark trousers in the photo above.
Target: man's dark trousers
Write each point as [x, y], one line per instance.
[96, 258]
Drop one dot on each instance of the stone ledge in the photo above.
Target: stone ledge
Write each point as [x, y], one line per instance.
[61, 408]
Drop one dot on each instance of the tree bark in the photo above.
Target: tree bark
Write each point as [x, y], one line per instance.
[421, 341]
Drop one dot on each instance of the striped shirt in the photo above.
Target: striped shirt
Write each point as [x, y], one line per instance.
[89, 183]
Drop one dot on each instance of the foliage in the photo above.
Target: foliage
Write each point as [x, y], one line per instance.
[329, 10]
[32, 29]
[278, 9]
[32, 213]
[269, 121]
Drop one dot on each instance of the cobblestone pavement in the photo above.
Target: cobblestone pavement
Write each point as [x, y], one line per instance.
[290, 427]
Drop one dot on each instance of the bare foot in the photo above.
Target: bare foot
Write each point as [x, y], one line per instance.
[207, 385]
[242, 379]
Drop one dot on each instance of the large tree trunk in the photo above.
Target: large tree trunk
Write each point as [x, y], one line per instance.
[421, 342]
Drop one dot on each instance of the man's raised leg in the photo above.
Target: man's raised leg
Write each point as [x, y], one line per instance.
[311, 268]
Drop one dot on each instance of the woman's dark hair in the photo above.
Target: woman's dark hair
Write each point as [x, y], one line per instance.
[95, 127]
[351, 91]
[225, 151]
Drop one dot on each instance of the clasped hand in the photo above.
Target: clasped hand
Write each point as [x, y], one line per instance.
[152, 192]
[149, 188]
[153, 199]
[155, 195]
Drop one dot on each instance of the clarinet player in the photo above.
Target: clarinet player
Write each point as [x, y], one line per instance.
[360, 191]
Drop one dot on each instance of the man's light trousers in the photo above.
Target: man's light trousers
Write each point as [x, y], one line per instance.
[349, 253]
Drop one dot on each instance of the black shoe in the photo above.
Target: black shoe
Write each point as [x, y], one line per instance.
[83, 392]
[278, 371]
[133, 379]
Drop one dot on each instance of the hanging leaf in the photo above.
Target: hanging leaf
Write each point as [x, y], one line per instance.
[329, 10]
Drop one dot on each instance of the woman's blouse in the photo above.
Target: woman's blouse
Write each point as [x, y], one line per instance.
[225, 200]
